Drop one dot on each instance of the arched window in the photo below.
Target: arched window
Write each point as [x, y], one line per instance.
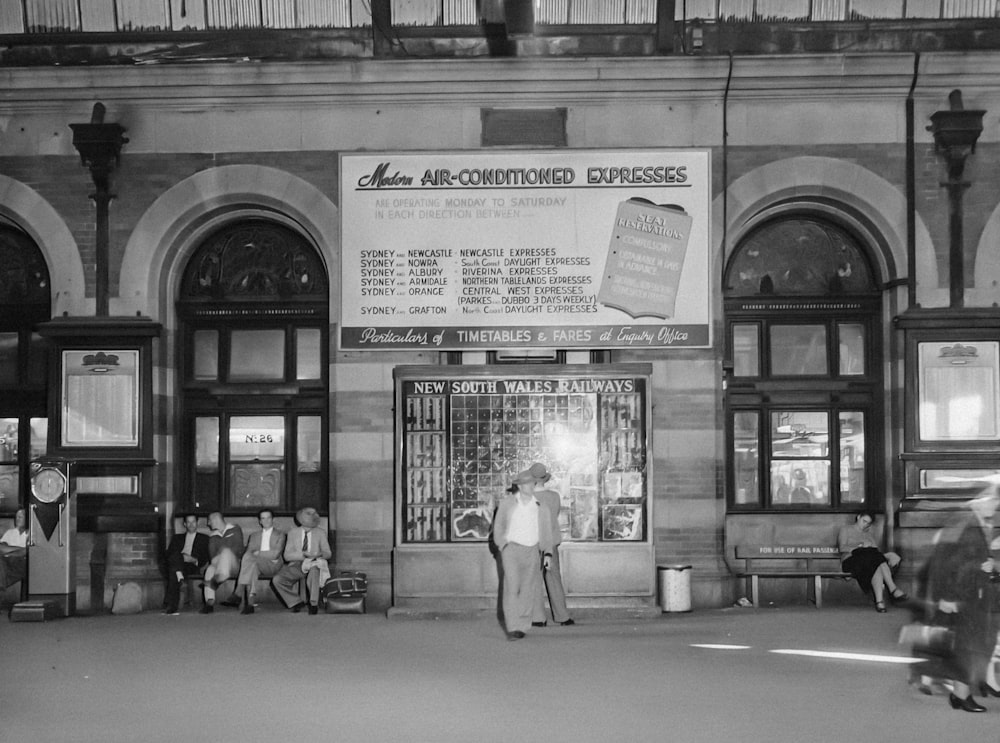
[803, 362]
[24, 303]
[253, 357]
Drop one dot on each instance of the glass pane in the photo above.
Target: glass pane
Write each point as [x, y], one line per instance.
[8, 359]
[852, 457]
[799, 434]
[309, 482]
[38, 361]
[746, 350]
[257, 356]
[39, 437]
[207, 477]
[307, 353]
[956, 479]
[800, 482]
[798, 350]
[256, 484]
[309, 440]
[8, 439]
[206, 354]
[959, 391]
[256, 437]
[206, 447]
[10, 482]
[101, 398]
[798, 256]
[746, 435]
[851, 348]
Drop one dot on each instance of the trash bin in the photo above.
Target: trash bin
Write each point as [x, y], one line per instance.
[675, 587]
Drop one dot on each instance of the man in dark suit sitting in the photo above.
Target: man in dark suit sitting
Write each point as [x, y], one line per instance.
[186, 555]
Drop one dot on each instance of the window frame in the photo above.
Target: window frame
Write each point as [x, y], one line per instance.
[834, 393]
[225, 311]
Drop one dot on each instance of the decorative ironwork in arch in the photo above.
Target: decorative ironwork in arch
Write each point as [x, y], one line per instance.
[24, 277]
[255, 259]
[799, 256]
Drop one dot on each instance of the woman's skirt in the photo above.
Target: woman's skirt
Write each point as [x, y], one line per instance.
[862, 564]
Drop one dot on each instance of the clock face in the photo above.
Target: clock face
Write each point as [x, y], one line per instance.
[48, 485]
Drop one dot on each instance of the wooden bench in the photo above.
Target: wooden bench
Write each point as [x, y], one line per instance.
[789, 561]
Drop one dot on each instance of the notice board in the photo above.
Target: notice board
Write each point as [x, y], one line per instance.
[549, 249]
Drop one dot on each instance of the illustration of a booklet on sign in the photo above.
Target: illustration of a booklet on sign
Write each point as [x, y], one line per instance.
[645, 258]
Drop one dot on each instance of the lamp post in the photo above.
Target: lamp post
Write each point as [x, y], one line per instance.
[955, 133]
[100, 145]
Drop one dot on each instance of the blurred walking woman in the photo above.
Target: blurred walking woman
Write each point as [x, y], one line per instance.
[958, 581]
[861, 557]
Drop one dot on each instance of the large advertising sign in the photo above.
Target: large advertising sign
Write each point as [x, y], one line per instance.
[546, 249]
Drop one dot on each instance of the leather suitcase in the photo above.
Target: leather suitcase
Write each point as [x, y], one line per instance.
[345, 604]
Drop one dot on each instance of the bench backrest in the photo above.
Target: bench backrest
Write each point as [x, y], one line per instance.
[785, 551]
[806, 535]
[248, 524]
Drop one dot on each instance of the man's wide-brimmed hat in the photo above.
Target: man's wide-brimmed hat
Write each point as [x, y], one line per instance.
[539, 472]
[534, 473]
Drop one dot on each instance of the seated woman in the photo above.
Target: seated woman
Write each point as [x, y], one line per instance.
[13, 546]
[861, 557]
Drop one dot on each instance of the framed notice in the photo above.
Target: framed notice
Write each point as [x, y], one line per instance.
[100, 405]
[549, 249]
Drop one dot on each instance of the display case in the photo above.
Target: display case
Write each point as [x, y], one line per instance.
[463, 433]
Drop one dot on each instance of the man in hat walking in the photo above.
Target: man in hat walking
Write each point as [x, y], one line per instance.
[552, 577]
[522, 533]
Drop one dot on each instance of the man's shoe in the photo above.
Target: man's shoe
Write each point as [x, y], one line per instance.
[206, 609]
[567, 623]
[298, 607]
[515, 635]
[540, 624]
[247, 609]
[170, 611]
[233, 601]
[313, 609]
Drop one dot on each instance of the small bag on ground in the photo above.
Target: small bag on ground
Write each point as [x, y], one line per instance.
[127, 599]
[345, 593]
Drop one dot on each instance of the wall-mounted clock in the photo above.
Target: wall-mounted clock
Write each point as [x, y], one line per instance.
[48, 484]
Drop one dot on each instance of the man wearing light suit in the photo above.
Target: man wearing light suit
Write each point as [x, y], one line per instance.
[262, 558]
[522, 533]
[307, 551]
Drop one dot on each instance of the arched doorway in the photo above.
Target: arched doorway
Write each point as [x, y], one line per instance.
[803, 360]
[25, 301]
[253, 339]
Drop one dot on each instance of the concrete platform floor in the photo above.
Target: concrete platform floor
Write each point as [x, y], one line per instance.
[277, 676]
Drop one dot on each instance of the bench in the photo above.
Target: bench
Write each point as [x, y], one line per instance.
[248, 524]
[789, 561]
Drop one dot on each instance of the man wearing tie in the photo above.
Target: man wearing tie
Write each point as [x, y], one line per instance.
[307, 552]
[186, 555]
[262, 558]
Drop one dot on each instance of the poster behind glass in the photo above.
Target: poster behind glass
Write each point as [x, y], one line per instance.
[462, 448]
[100, 398]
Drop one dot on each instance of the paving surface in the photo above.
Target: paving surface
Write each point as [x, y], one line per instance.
[282, 676]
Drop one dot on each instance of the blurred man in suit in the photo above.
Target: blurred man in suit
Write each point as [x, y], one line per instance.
[225, 547]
